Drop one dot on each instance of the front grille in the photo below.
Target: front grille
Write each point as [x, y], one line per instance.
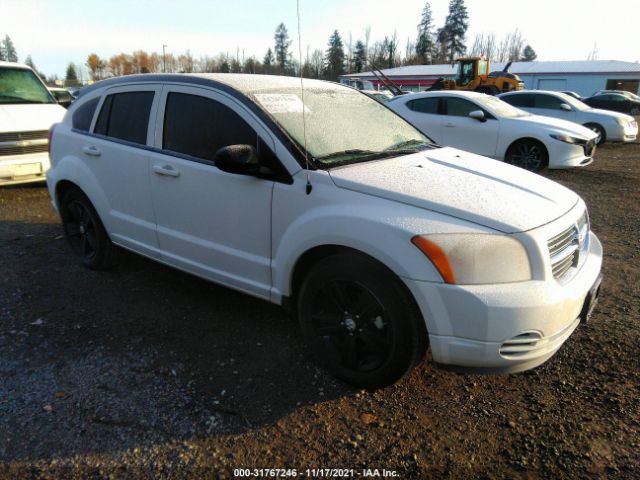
[589, 148]
[18, 136]
[564, 251]
[22, 150]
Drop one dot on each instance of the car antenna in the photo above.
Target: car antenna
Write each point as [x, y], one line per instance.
[304, 122]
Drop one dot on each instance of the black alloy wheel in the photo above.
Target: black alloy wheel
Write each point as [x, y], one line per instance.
[528, 154]
[360, 321]
[84, 231]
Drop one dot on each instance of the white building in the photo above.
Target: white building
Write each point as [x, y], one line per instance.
[583, 76]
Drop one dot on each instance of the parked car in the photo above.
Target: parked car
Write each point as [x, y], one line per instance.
[62, 96]
[383, 96]
[627, 94]
[27, 110]
[608, 125]
[575, 95]
[380, 241]
[616, 102]
[488, 126]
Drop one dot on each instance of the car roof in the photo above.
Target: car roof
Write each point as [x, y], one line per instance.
[446, 93]
[14, 65]
[247, 84]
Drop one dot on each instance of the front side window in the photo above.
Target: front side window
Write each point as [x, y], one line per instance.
[125, 116]
[19, 85]
[548, 102]
[199, 127]
[424, 105]
[458, 107]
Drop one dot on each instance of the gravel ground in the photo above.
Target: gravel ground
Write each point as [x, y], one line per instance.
[145, 372]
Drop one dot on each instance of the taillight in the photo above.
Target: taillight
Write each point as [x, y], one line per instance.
[49, 137]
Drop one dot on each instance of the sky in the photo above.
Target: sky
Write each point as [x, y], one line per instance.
[56, 32]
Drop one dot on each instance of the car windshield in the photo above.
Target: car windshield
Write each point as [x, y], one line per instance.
[342, 125]
[19, 85]
[500, 108]
[574, 102]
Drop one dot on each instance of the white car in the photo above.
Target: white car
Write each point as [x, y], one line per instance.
[379, 240]
[27, 110]
[608, 125]
[485, 125]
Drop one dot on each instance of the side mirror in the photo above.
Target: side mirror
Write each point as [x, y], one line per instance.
[478, 115]
[565, 107]
[240, 159]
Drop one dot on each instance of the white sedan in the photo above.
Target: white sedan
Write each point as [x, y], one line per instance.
[486, 125]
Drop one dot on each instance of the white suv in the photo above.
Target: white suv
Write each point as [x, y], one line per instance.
[329, 203]
[27, 110]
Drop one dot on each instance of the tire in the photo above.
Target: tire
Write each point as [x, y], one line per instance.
[528, 154]
[602, 134]
[85, 232]
[360, 321]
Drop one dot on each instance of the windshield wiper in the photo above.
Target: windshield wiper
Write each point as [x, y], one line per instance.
[412, 145]
[345, 153]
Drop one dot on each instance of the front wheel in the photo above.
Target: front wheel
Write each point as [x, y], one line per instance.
[602, 135]
[84, 230]
[359, 321]
[528, 154]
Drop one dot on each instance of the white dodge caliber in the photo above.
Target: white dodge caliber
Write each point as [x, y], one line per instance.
[328, 203]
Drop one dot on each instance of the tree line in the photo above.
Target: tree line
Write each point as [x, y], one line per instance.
[342, 55]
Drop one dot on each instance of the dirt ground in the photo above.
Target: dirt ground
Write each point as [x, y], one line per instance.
[145, 372]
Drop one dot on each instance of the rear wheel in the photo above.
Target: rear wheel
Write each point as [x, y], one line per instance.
[360, 321]
[528, 154]
[84, 230]
[602, 135]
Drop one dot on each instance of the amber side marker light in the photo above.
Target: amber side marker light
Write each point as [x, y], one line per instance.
[434, 253]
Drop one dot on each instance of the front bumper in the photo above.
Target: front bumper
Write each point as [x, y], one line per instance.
[566, 155]
[23, 168]
[477, 326]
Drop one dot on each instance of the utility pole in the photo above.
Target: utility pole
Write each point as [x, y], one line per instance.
[164, 59]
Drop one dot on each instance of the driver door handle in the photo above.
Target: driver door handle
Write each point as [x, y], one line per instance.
[449, 124]
[166, 170]
[91, 150]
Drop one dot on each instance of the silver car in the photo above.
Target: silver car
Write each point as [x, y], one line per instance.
[610, 126]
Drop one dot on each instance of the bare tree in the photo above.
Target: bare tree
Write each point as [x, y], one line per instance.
[484, 45]
[510, 47]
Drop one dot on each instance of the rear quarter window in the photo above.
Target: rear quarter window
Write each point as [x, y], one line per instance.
[125, 116]
[83, 115]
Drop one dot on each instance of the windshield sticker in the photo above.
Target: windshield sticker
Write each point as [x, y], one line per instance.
[281, 102]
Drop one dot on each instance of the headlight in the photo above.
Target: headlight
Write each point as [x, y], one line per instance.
[623, 122]
[471, 259]
[568, 139]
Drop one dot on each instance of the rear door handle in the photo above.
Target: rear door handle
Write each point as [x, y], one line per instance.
[92, 150]
[166, 170]
[449, 125]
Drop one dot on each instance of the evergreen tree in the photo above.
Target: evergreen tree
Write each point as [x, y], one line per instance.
[10, 54]
[425, 44]
[281, 49]
[334, 57]
[29, 61]
[528, 54]
[71, 77]
[456, 25]
[268, 61]
[359, 57]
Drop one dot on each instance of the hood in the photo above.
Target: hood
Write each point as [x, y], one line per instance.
[560, 126]
[463, 185]
[611, 114]
[29, 116]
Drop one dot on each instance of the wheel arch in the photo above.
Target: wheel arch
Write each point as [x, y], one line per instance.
[603, 130]
[312, 256]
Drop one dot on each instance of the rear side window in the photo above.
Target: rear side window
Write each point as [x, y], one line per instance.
[198, 126]
[82, 117]
[519, 100]
[125, 116]
[424, 105]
